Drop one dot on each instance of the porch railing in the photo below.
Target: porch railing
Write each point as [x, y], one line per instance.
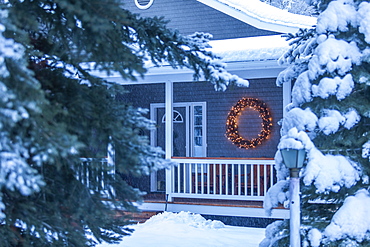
[95, 173]
[221, 178]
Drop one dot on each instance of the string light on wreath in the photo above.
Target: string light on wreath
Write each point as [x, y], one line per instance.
[232, 132]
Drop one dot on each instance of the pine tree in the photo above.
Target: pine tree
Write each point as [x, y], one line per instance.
[329, 115]
[54, 109]
[301, 7]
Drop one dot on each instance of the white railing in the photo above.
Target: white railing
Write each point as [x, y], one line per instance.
[221, 178]
[95, 173]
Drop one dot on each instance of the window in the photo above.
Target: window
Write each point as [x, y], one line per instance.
[198, 125]
[144, 4]
[177, 117]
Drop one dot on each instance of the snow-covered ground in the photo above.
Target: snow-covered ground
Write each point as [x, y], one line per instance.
[186, 229]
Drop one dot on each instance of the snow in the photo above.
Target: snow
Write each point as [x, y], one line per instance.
[352, 219]
[330, 121]
[329, 172]
[352, 118]
[278, 194]
[314, 236]
[300, 119]
[337, 17]
[273, 234]
[333, 55]
[185, 229]
[366, 150]
[364, 20]
[341, 87]
[260, 48]
[269, 14]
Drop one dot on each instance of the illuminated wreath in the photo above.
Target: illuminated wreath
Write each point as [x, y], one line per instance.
[232, 132]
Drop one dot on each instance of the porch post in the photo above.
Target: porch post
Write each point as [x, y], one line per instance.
[169, 134]
[111, 154]
[287, 95]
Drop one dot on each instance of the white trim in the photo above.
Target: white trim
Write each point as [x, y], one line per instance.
[176, 114]
[220, 197]
[287, 95]
[226, 161]
[204, 128]
[188, 130]
[169, 134]
[248, 70]
[169, 114]
[215, 210]
[147, 6]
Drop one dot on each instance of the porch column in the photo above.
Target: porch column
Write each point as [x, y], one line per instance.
[287, 95]
[169, 134]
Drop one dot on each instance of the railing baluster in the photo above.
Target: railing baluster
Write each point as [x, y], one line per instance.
[214, 179]
[245, 180]
[189, 179]
[232, 179]
[220, 178]
[272, 175]
[264, 179]
[183, 178]
[202, 178]
[239, 180]
[208, 178]
[258, 180]
[179, 167]
[252, 180]
[226, 179]
[196, 178]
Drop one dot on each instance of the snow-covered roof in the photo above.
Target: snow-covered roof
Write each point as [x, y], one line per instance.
[262, 15]
[252, 57]
[261, 48]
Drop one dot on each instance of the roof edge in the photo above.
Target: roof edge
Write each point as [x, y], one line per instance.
[257, 20]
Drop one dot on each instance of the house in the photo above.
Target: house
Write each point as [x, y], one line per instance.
[224, 142]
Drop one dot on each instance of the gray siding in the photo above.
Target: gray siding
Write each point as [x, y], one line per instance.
[218, 107]
[189, 16]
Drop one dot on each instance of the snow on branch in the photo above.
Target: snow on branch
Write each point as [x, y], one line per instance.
[209, 65]
[352, 219]
[364, 20]
[325, 172]
[337, 17]
[333, 55]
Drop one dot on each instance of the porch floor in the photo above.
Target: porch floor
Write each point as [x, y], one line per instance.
[161, 198]
[231, 212]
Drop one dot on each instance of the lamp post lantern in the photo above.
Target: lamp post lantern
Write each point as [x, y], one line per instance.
[293, 159]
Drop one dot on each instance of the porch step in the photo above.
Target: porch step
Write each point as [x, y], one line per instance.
[137, 217]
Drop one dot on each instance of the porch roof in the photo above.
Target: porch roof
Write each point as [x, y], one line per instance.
[252, 57]
[262, 15]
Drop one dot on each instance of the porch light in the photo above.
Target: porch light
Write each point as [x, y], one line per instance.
[293, 159]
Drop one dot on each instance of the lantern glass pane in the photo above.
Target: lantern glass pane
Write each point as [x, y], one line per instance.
[293, 158]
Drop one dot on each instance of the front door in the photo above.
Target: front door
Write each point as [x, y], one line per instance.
[180, 132]
[189, 130]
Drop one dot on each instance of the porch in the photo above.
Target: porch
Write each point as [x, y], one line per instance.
[226, 187]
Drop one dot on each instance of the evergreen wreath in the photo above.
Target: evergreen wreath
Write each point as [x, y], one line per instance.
[232, 132]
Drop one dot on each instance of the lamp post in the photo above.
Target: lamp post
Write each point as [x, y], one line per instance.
[293, 159]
